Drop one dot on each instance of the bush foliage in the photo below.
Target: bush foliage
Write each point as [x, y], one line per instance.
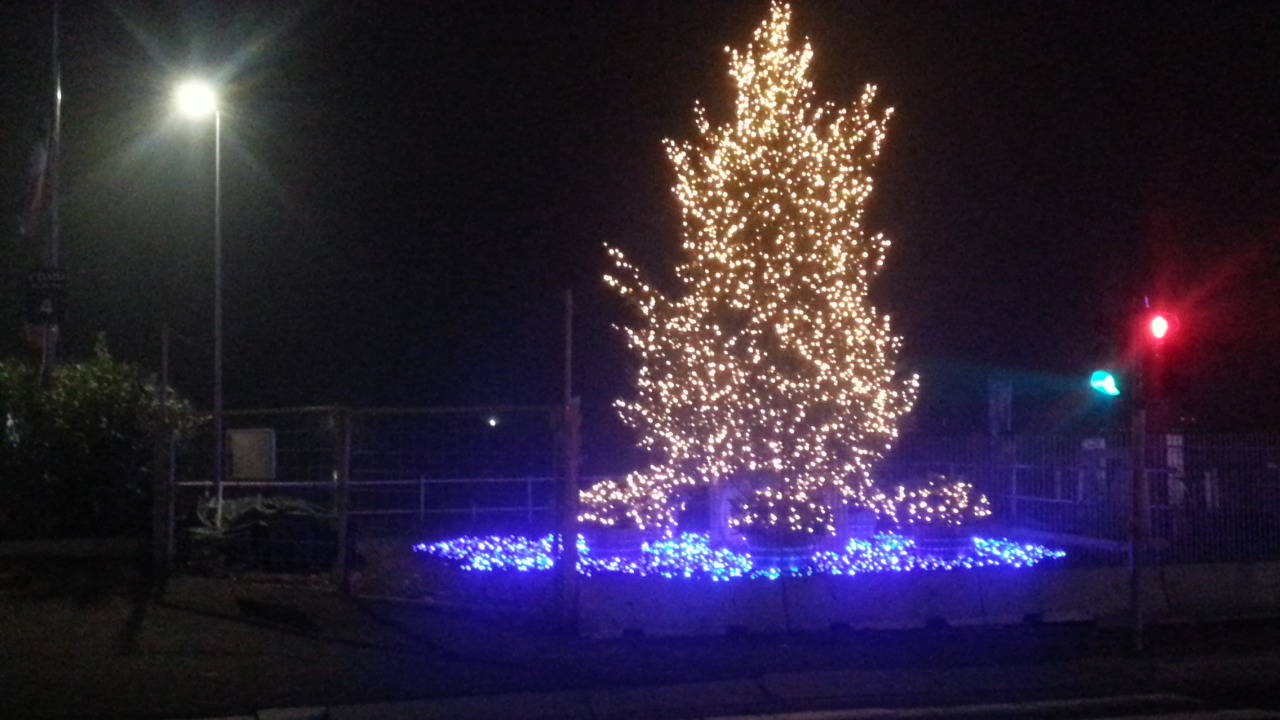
[76, 456]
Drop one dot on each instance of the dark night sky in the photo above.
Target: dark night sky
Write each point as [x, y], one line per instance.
[410, 186]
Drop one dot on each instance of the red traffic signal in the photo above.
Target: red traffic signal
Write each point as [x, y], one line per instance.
[1159, 326]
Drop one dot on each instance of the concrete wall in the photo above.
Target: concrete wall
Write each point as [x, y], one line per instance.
[613, 604]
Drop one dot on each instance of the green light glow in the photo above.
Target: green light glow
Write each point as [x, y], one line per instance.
[1104, 382]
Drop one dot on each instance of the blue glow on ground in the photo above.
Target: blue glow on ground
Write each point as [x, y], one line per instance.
[690, 555]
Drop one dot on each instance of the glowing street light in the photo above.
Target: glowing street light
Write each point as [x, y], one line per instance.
[197, 99]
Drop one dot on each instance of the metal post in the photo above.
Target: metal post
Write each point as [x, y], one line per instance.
[568, 521]
[159, 522]
[567, 560]
[218, 439]
[53, 158]
[568, 347]
[170, 476]
[422, 502]
[167, 417]
[162, 480]
[1013, 492]
[341, 493]
[171, 497]
[1138, 523]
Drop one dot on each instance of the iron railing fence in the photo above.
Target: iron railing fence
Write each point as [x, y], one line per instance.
[301, 490]
[422, 471]
[430, 472]
[1212, 497]
[436, 470]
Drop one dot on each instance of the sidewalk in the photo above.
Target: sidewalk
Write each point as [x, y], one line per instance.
[220, 647]
[1078, 690]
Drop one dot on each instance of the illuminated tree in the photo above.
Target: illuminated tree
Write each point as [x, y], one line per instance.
[769, 363]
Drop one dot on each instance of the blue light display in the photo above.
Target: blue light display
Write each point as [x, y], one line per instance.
[690, 555]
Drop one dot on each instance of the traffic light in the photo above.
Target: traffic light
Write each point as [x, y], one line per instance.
[1104, 382]
[1159, 325]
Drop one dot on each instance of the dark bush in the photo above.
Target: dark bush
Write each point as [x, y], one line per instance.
[76, 455]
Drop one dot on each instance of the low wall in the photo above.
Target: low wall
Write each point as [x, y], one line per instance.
[611, 605]
[73, 548]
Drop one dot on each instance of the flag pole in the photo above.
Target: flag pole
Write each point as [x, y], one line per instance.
[49, 350]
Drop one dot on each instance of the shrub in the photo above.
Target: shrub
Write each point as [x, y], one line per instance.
[76, 455]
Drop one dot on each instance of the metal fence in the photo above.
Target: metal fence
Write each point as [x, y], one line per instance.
[1211, 497]
[358, 473]
[437, 469]
[429, 472]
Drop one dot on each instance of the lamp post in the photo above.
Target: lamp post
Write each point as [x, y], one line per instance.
[198, 99]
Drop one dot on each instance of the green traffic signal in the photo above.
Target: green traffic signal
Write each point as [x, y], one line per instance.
[1104, 382]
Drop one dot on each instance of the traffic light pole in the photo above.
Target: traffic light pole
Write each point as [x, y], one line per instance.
[1139, 518]
[1147, 413]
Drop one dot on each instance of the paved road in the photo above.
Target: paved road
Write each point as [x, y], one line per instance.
[600, 705]
[99, 646]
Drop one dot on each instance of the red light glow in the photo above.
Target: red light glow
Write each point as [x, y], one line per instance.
[1159, 327]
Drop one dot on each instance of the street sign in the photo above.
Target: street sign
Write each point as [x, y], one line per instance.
[253, 453]
[47, 279]
[46, 296]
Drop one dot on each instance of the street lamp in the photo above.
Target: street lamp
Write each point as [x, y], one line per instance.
[197, 99]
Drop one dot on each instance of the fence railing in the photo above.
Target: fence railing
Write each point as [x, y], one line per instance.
[431, 471]
[426, 492]
[1210, 497]
[371, 471]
